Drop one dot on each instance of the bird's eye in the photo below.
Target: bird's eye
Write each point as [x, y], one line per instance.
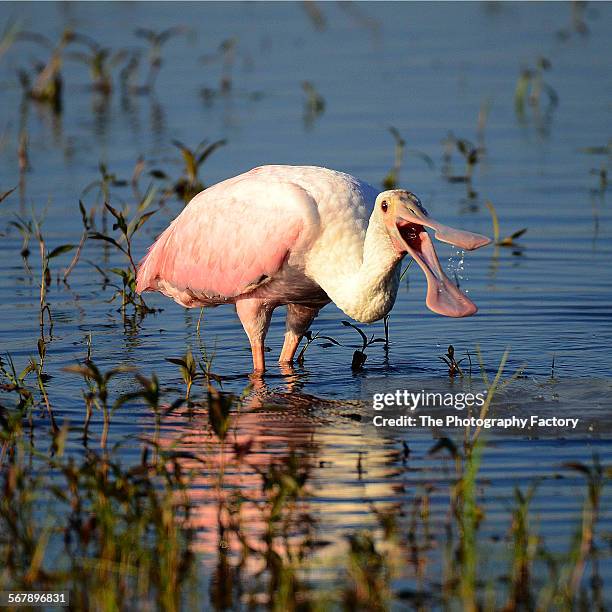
[384, 205]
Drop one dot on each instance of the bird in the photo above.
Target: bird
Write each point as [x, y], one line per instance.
[300, 237]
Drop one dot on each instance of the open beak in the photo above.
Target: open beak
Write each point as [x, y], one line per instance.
[443, 296]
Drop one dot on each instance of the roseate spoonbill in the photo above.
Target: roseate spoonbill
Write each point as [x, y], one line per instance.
[300, 236]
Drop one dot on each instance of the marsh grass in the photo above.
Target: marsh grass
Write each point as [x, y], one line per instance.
[368, 574]
[99, 60]
[392, 179]
[156, 41]
[45, 273]
[6, 194]
[120, 533]
[9, 35]
[602, 175]
[26, 229]
[507, 241]
[127, 230]
[120, 536]
[97, 394]
[529, 93]
[87, 219]
[107, 180]
[45, 83]
[189, 372]
[189, 184]
[314, 105]
[126, 538]
[577, 23]
[471, 155]
[531, 85]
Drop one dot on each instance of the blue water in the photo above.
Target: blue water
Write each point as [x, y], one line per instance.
[425, 68]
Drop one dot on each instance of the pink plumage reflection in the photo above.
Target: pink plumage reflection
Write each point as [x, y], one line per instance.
[300, 236]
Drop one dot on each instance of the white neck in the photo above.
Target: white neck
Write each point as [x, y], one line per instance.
[365, 289]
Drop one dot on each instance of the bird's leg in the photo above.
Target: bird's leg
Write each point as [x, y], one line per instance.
[299, 319]
[255, 315]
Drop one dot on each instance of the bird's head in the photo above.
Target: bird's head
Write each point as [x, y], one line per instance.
[405, 220]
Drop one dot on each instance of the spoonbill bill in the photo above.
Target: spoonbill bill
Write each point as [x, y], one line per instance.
[300, 236]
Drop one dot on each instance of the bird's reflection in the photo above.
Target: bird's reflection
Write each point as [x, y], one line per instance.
[252, 484]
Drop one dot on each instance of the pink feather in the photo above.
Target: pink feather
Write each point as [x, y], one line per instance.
[226, 240]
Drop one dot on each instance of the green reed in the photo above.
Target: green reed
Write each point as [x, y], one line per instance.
[127, 227]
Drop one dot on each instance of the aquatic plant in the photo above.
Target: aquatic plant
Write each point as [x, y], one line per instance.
[368, 575]
[45, 272]
[530, 86]
[449, 360]
[188, 370]
[602, 174]
[508, 241]
[12, 382]
[15, 383]
[190, 184]
[126, 537]
[598, 149]
[125, 533]
[226, 54]
[310, 338]
[392, 179]
[6, 194]
[46, 84]
[97, 394]
[314, 105]
[315, 15]
[359, 356]
[104, 183]
[87, 221]
[26, 229]
[156, 41]
[471, 155]
[525, 544]
[577, 22]
[9, 36]
[100, 61]
[128, 228]
[219, 408]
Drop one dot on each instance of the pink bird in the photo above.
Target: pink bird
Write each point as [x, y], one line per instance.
[300, 236]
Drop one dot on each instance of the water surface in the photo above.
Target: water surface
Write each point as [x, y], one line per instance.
[428, 70]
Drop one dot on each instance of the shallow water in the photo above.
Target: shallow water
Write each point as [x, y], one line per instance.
[426, 69]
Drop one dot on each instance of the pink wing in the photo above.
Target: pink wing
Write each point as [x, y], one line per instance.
[227, 239]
